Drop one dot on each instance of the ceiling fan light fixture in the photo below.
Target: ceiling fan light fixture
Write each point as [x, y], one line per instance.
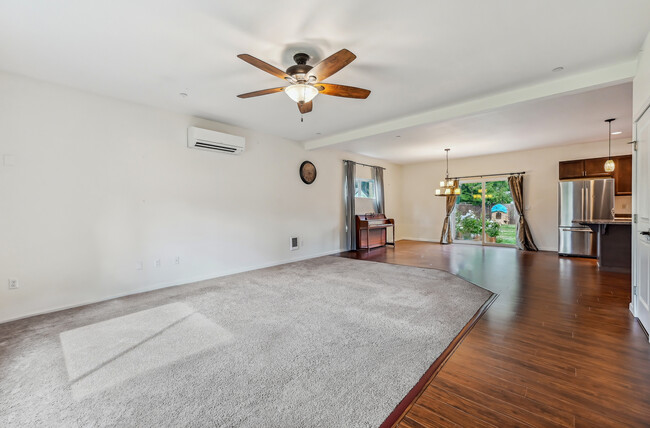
[301, 93]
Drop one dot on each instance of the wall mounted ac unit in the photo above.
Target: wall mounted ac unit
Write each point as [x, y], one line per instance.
[214, 141]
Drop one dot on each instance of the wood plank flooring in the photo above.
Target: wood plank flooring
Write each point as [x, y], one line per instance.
[558, 347]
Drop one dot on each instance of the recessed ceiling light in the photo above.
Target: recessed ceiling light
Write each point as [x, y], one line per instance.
[556, 69]
[398, 136]
[318, 133]
[183, 94]
[617, 132]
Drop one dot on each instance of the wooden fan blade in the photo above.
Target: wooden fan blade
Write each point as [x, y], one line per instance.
[262, 92]
[332, 64]
[305, 108]
[342, 90]
[263, 66]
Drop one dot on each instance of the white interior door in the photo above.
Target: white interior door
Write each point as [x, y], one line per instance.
[641, 234]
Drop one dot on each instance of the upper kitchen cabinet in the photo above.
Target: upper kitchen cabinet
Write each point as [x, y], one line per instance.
[572, 169]
[623, 174]
[595, 168]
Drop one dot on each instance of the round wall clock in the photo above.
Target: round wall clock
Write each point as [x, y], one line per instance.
[307, 172]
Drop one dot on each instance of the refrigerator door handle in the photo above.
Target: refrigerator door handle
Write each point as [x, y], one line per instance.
[583, 203]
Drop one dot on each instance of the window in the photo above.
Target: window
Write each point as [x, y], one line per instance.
[364, 188]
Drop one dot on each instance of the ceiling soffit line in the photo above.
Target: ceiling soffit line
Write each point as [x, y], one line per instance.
[603, 77]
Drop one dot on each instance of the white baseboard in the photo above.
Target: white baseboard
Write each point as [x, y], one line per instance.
[167, 284]
[437, 241]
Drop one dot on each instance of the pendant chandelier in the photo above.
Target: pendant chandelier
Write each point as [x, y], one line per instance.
[609, 164]
[448, 186]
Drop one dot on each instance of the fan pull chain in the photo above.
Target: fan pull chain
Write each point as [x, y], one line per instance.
[301, 116]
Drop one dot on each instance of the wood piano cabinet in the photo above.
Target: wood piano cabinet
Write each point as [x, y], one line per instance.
[372, 230]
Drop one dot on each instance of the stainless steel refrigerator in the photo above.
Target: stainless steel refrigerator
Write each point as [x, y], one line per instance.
[583, 200]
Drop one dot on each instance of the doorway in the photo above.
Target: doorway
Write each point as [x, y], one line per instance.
[485, 213]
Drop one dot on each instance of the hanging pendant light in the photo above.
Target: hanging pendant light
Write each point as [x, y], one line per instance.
[609, 164]
[448, 186]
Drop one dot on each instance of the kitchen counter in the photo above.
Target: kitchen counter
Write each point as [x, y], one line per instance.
[615, 221]
[614, 243]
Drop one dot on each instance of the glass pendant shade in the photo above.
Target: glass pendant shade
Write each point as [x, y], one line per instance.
[457, 191]
[609, 165]
[442, 184]
[301, 93]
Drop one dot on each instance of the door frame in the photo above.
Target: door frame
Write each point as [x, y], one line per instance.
[635, 213]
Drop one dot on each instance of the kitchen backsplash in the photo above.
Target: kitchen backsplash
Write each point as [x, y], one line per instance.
[623, 205]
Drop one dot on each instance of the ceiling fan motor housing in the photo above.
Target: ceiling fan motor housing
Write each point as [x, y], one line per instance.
[301, 67]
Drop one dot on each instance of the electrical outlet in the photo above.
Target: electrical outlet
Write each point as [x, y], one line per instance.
[13, 283]
[177, 260]
[157, 263]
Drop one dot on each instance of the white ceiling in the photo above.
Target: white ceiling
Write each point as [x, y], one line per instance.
[413, 55]
[577, 118]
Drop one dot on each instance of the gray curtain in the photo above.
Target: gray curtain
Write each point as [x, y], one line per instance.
[378, 176]
[524, 237]
[350, 171]
[445, 237]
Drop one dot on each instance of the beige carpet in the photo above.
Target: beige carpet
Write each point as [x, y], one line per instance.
[327, 342]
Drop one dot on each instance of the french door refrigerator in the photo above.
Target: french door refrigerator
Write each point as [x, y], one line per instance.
[583, 200]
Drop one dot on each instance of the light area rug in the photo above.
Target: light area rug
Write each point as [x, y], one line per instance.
[326, 342]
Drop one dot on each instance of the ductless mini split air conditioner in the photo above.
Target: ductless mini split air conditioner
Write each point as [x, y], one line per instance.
[213, 141]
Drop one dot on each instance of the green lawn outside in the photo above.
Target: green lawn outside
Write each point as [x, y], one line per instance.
[507, 234]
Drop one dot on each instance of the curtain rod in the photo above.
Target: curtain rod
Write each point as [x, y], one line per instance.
[489, 175]
[364, 164]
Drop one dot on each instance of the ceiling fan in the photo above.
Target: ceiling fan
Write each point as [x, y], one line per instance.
[306, 81]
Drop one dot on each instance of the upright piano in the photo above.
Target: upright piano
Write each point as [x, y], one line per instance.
[372, 230]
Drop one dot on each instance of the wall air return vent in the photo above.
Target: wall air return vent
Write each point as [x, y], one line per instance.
[293, 243]
[213, 141]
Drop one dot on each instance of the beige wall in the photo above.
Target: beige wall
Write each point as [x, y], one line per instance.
[423, 213]
[92, 186]
[641, 85]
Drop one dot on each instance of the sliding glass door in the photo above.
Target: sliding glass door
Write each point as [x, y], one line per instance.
[485, 213]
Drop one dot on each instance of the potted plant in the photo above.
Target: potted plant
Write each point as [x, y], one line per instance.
[460, 232]
[492, 231]
[471, 226]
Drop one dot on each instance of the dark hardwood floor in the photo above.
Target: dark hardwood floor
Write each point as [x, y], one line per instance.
[558, 347]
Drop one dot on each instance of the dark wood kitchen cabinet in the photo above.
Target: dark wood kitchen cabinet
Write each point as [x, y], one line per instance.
[623, 174]
[572, 169]
[595, 168]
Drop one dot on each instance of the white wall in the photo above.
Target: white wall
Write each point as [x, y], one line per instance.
[641, 84]
[423, 213]
[90, 186]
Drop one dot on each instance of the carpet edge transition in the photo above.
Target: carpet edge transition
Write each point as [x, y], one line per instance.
[407, 402]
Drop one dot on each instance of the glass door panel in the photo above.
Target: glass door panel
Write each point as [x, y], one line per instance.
[468, 217]
[485, 213]
[500, 214]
